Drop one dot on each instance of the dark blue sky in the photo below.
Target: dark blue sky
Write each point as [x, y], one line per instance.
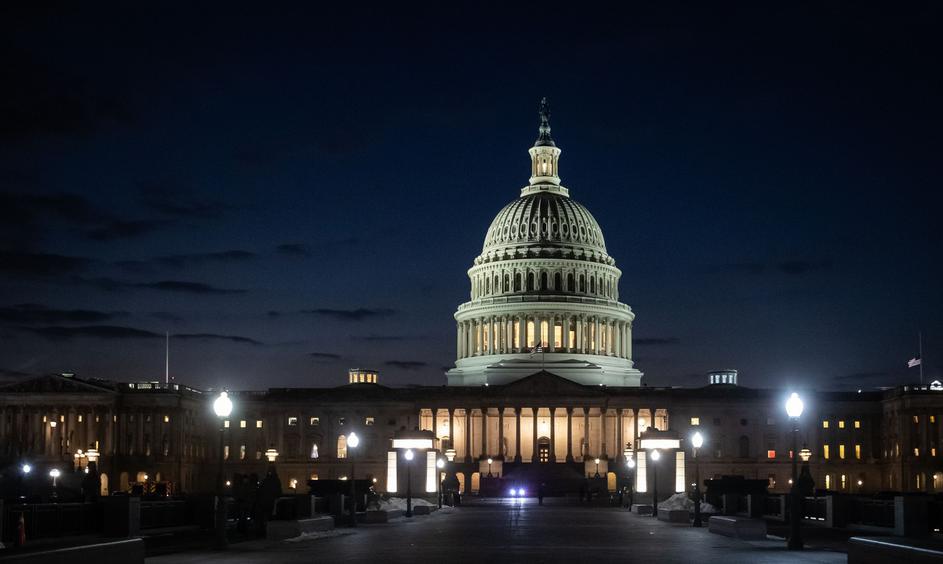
[295, 192]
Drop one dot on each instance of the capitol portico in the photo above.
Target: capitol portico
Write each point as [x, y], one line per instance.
[544, 291]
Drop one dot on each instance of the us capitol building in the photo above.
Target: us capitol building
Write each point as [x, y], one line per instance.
[544, 390]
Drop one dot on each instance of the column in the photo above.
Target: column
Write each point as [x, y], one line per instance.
[596, 334]
[603, 414]
[619, 443]
[565, 327]
[484, 432]
[451, 428]
[522, 334]
[468, 437]
[569, 434]
[458, 340]
[517, 444]
[553, 435]
[551, 329]
[534, 441]
[579, 334]
[628, 340]
[435, 426]
[586, 432]
[501, 432]
[479, 336]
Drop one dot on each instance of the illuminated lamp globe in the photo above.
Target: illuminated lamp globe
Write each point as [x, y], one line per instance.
[490, 461]
[655, 455]
[26, 468]
[630, 463]
[408, 454]
[54, 473]
[794, 406]
[440, 463]
[353, 440]
[222, 406]
[697, 440]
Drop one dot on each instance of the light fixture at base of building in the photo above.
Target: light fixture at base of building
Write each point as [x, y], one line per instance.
[450, 454]
[271, 454]
[805, 454]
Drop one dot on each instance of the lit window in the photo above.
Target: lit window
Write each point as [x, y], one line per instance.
[293, 483]
[695, 421]
[916, 419]
[242, 424]
[80, 419]
[314, 421]
[825, 424]
[226, 424]
[844, 482]
[292, 421]
[828, 481]
[841, 451]
[342, 446]
[368, 421]
[341, 420]
[825, 452]
[771, 454]
[916, 451]
[858, 452]
[933, 451]
[258, 423]
[857, 424]
[841, 424]
[166, 419]
[226, 452]
[242, 452]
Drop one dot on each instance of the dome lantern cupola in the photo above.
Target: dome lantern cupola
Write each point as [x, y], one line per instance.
[544, 159]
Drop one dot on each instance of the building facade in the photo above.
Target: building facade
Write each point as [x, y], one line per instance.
[544, 390]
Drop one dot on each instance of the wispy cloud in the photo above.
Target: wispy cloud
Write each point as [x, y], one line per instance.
[215, 337]
[325, 356]
[112, 285]
[294, 249]
[359, 314]
[94, 331]
[41, 264]
[180, 202]
[125, 229]
[166, 316]
[386, 338]
[204, 258]
[37, 313]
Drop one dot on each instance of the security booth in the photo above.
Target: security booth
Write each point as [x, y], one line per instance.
[411, 464]
[659, 465]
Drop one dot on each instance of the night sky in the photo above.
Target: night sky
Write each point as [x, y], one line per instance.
[293, 193]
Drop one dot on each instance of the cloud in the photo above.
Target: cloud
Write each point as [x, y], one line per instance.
[94, 331]
[112, 285]
[294, 249]
[359, 314]
[325, 356]
[166, 316]
[205, 258]
[655, 341]
[792, 267]
[122, 229]
[37, 313]
[744, 267]
[406, 364]
[41, 264]
[179, 202]
[70, 208]
[215, 337]
[273, 314]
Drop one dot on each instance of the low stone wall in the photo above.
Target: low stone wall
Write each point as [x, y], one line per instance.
[673, 515]
[738, 527]
[130, 551]
[373, 517]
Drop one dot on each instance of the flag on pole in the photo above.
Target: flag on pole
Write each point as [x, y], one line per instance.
[537, 349]
[913, 362]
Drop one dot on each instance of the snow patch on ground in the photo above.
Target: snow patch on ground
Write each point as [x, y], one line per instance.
[317, 535]
[681, 501]
[399, 503]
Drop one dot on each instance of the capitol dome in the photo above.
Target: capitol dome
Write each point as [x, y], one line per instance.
[544, 291]
[545, 224]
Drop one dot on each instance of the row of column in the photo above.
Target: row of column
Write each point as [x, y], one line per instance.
[505, 334]
[621, 440]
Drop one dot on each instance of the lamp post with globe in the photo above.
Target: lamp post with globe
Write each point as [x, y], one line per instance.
[439, 464]
[697, 441]
[794, 407]
[656, 456]
[352, 442]
[630, 464]
[222, 407]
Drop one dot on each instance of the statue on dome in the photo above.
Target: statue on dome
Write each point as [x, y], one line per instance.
[544, 110]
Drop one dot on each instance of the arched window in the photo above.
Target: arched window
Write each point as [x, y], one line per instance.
[517, 282]
[592, 285]
[314, 450]
[557, 282]
[543, 280]
[744, 446]
[342, 446]
[530, 281]
[507, 283]
[569, 283]
[582, 283]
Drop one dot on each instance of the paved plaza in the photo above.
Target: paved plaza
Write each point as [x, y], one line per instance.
[515, 531]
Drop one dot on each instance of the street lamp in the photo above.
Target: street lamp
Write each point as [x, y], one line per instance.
[794, 408]
[222, 407]
[54, 473]
[655, 457]
[440, 464]
[630, 463]
[352, 441]
[697, 441]
[408, 455]
[489, 467]
[597, 468]
[26, 469]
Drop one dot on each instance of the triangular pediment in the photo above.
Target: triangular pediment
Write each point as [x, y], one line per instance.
[547, 383]
[53, 384]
